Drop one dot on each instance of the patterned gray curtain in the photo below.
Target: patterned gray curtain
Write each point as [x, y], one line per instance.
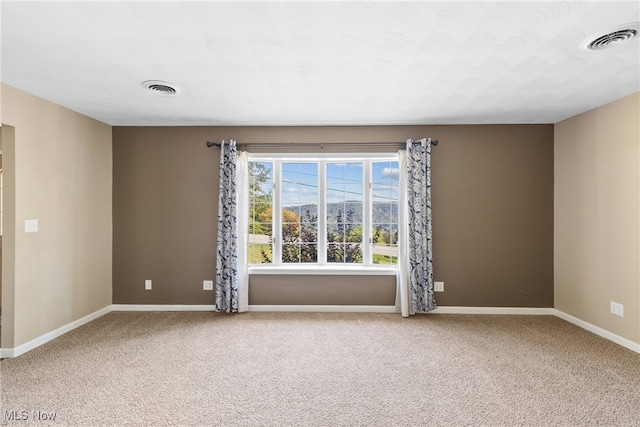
[420, 258]
[227, 259]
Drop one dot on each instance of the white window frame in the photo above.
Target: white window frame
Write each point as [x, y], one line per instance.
[322, 266]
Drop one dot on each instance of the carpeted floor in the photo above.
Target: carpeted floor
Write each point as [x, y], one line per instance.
[323, 369]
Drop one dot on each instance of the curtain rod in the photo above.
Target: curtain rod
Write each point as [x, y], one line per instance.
[322, 145]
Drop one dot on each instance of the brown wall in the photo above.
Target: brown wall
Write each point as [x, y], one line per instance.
[270, 289]
[492, 214]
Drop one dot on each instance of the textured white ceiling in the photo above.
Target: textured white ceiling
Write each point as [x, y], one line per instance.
[320, 63]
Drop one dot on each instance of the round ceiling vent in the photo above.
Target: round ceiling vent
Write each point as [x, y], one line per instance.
[159, 86]
[612, 38]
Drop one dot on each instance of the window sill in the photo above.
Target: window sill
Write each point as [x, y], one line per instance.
[324, 270]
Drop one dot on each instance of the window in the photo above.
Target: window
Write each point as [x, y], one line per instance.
[345, 212]
[385, 186]
[260, 212]
[329, 211]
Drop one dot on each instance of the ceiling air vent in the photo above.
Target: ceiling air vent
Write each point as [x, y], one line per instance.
[612, 38]
[159, 86]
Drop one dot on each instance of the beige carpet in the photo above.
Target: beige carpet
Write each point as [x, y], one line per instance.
[311, 369]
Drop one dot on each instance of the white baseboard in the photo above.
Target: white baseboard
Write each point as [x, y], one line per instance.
[598, 331]
[263, 308]
[161, 307]
[43, 339]
[326, 308]
[494, 310]
[336, 309]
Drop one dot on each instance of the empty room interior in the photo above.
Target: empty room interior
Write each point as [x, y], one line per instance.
[320, 213]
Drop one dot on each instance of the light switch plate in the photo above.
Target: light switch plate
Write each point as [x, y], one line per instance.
[30, 225]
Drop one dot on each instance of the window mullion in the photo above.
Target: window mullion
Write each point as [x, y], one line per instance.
[366, 214]
[277, 214]
[322, 212]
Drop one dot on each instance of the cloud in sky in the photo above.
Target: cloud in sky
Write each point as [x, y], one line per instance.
[390, 172]
[385, 187]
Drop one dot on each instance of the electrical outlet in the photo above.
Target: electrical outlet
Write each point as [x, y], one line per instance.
[438, 286]
[207, 285]
[147, 285]
[617, 309]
